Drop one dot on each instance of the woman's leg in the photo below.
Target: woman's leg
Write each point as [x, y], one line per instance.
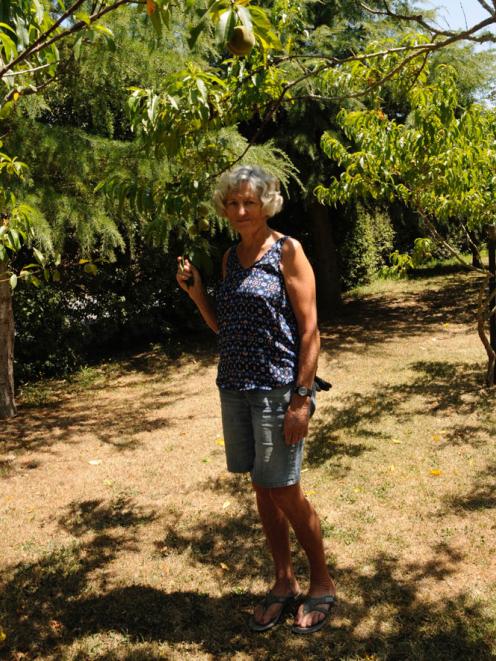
[276, 529]
[306, 525]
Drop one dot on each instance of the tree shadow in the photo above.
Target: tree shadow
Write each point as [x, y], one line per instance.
[438, 388]
[374, 319]
[96, 515]
[79, 409]
[48, 605]
[482, 495]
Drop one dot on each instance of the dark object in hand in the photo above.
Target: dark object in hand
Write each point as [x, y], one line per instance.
[321, 384]
[191, 280]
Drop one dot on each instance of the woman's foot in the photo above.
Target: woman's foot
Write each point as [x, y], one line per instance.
[270, 609]
[307, 617]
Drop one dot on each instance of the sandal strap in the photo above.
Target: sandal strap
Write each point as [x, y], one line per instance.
[271, 599]
[313, 604]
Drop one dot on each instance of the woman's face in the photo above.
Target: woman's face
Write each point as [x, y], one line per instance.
[244, 208]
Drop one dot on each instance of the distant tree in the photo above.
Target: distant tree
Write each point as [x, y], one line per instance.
[439, 162]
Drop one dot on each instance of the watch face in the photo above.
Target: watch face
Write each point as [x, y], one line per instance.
[301, 390]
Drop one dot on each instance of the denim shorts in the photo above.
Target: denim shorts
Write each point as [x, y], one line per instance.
[252, 421]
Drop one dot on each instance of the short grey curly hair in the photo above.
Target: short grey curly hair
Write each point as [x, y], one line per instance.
[263, 183]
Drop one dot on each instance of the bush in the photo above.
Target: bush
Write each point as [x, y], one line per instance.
[366, 245]
[61, 326]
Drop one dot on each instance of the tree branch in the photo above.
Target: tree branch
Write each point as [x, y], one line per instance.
[485, 5]
[419, 20]
[41, 42]
[42, 37]
[20, 72]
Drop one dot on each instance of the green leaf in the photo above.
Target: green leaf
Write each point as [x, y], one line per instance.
[215, 5]
[77, 46]
[13, 240]
[90, 268]
[40, 258]
[9, 46]
[156, 19]
[7, 27]
[84, 17]
[245, 17]
[13, 281]
[40, 11]
[225, 26]
[35, 281]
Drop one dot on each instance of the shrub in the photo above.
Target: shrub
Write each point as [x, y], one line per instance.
[367, 243]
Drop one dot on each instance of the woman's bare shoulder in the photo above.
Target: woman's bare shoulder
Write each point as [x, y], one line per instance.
[291, 248]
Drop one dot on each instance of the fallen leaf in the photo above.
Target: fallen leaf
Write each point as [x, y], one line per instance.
[219, 441]
[437, 438]
[205, 461]
[224, 566]
[55, 625]
[392, 467]
[95, 462]
[396, 441]
[435, 471]
[3, 635]
[312, 492]
[108, 483]
[226, 504]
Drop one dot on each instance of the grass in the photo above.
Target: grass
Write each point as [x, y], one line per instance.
[125, 538]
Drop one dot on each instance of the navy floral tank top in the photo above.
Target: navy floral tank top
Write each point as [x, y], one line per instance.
[258, 336]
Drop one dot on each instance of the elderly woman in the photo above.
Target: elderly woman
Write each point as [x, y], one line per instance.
[265, 316]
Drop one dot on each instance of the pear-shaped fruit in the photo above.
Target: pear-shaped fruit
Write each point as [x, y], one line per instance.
[203, 224]
[203, 209]
[241, 41]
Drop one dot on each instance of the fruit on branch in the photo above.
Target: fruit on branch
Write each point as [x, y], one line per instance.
[203, 224]
[203, 209]
[241, 41]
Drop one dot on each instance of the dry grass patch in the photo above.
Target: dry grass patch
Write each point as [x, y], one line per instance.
[125, 538]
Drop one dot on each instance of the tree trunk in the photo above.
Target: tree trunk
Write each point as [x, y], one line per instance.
[7, 401]
[326, 260]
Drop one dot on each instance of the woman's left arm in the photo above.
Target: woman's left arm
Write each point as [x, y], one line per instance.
[300, 285]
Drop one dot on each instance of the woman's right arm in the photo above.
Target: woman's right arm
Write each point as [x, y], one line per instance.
[196, 291]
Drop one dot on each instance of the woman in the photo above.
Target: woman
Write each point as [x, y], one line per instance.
[265, 316]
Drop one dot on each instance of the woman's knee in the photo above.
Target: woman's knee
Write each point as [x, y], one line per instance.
[287, 496]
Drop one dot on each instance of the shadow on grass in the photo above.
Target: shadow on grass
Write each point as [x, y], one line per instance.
[96, 515]
[362, 323]
[52, 604]
[84, 404]
[482, 495]
[439, 388]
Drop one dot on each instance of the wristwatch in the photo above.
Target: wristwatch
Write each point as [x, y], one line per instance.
[302, 391]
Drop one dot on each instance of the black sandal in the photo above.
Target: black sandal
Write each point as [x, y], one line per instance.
[268, 601]
[312, 604]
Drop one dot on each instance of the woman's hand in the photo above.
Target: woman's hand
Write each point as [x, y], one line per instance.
[188, 277]
[296, 420]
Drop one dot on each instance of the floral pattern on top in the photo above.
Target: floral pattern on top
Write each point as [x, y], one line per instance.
[258, 335]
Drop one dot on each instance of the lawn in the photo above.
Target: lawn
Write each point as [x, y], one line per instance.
[123, 536]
